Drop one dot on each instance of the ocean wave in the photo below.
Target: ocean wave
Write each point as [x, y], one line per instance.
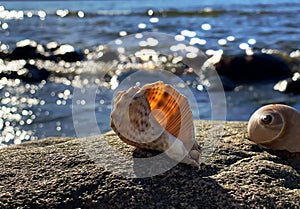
[170, 12]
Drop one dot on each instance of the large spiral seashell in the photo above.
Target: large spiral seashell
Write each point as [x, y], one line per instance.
[156, 117]
[276, 127]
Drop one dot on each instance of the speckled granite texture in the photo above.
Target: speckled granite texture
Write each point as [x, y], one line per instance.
[60, 173]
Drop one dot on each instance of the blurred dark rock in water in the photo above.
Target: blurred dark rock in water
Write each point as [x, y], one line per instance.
[71, 56]
[125, 75]
[67, 53]
[29, 73]
[228, 84]
[28, 49]
[253, 68]
[52, 46]
[53, 51]
[290, 85]
[268, 66]
[105, 57]
[4, 55]
[292, 59]
[35, 74]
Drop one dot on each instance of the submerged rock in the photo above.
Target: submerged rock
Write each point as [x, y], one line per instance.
[213, 83]
[52, 46]
[253, 68]
[67, 53]
[290, 85]
[28, 49]
[3, 53]
[28, 73]
[292, 58]
[53, 51]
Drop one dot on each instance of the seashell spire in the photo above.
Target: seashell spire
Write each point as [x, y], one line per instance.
[156, 117]
[276, 127]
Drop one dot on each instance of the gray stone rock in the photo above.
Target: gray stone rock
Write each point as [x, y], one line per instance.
[85, 173]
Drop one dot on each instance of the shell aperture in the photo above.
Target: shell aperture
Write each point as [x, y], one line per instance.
[156, 117]
[276, 127]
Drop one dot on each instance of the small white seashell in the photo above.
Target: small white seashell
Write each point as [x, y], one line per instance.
[156, 117]
[276, 127]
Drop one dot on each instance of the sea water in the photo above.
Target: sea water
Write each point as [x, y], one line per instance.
[36, 110]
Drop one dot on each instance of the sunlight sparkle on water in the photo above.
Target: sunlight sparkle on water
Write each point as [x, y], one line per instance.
[150, 12]
[222, 42]
[152, 41]
[210, 52]
[244, 46]
[62, 12]
[179, 38]
[206, 26]
[42, 14]
[29, 14]
[18, 108]
[188, 33]
[154, 20]
[138, 36]
[177, 47]
[142, 25]
[230, 38]
[4, 26]
[118, 41]
[12, 14]
[199, 41]
[123, 33]
[295, 54]
[251, 41]
[3, 47]
[80, 14]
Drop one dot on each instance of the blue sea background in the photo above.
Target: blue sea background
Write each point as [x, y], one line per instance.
[34, 111]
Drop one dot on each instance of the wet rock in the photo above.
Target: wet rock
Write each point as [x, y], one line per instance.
[84, 173]
[176, 67]
[253, 68]
[213, 84]
[53, 51]
[105, 57]
[29, 73]
[292, 59]
[28, 49]
[68, 53]
[290, 85]
[34, 74]
[126, 75]
[4, 55]
[71, 56]
[52, 46]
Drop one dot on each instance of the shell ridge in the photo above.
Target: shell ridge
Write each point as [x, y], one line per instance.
[121, 116]
[157, 117]
[288, 136]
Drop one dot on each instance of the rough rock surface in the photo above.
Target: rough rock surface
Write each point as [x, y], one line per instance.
[84, 173]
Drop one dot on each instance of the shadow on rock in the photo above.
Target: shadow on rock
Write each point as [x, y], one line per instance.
[182, 186]
[292, 159]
